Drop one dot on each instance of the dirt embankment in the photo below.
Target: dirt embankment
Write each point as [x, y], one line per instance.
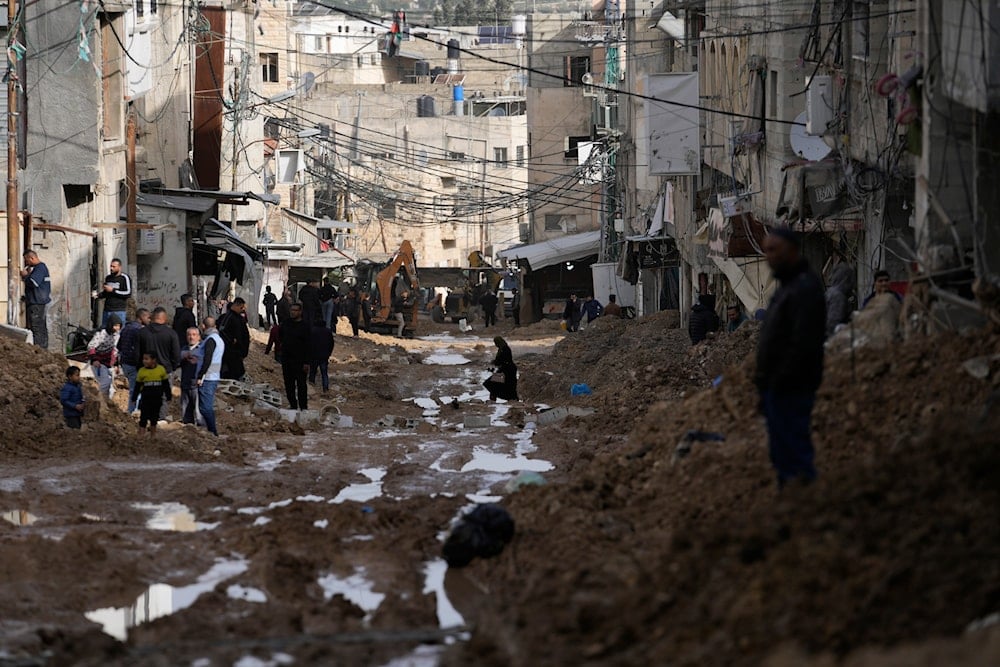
[630, 365]
[649, 559]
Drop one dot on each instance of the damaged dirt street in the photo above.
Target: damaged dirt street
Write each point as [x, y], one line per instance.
[321, 544]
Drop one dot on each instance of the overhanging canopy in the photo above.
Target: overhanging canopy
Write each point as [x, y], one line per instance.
[555, 251]
[326, 260]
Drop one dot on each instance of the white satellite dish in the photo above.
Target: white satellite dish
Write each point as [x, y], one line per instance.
[805, 145]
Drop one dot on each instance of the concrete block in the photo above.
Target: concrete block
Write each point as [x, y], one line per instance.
[477, 421]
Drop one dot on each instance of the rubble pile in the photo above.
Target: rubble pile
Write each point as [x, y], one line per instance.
[30, 380]
[631, 364]
[645, 555]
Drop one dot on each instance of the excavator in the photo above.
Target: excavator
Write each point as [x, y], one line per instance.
[479, 276]
[384, 282]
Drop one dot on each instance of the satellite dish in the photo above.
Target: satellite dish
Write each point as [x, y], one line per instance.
[587, 79]
[308, 81]
[804, 145]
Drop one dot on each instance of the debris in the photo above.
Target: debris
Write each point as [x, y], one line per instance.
[684, 446]
[483, 532]
[477, 421]
[562, 412]
[524, 478]
[977, 367]
[581, 389]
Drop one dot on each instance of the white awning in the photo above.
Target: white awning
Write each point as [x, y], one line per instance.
[326, 260]
[554, 251]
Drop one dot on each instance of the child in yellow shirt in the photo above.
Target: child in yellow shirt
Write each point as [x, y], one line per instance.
[152, 387]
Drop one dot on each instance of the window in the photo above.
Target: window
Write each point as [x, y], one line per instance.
[318, 43]
[860, 24]
[340, 28]
[448, 244]
[576, 67]
[572, 144]
[772, 94]
[557, 222]
[456, 155]
[500, 157]
[519, 159]
[112, 83]
[152, 7]
[140, 7]
[387, 209]
[447, 181]
[269, 67]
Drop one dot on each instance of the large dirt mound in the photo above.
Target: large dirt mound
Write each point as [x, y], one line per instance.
[630, 365]
[649, 559]
[30, 380]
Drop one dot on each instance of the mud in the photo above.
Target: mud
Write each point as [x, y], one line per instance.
[281, 544]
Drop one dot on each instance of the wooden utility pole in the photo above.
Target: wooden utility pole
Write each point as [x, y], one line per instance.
[132, 191]
[13, 232]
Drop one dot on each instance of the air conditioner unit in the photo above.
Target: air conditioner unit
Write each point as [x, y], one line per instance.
[819, 105]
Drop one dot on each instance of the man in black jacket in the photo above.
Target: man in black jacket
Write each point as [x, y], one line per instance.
[704, 320]
[184, 318]
[296, 353]
[790, 357]
[236, 335]
[283, 307]
[159, 339]
[309, 300]
[488, 302]
[116, 291]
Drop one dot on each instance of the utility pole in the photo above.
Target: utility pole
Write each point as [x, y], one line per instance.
[132, 188]
[13, 243]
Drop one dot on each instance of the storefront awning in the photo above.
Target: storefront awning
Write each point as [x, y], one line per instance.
[326, 260]
[556, 250]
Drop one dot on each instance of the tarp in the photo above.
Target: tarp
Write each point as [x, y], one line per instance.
[554, 251]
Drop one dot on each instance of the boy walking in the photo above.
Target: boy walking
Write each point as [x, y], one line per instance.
[152, 387]
[71, 398]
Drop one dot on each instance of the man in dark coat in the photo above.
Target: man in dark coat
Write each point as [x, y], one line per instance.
[296, 353]
[573, 313]
[159, 339]
[184, 318]
[270, 301]
[236, 335]
[488, 302]
[704, 320]
[790, 357]
[515, 306]
[283, 308]
[312, 309]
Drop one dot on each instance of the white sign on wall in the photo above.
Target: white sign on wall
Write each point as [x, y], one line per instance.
[674, 124]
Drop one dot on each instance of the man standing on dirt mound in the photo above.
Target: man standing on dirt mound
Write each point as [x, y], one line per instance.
[790, 357]
[236, 335]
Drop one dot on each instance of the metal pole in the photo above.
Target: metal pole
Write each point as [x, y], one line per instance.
[131, 193]
[13, 242]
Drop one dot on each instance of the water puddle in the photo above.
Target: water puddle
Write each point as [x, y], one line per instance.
[276, 660]
[356, 589]
[248, 593]
[487, 461]
[446, 359]
[172, 517]
[19, 517]
[161, 600]
[448, 616]
[362, 492]
[425, 655]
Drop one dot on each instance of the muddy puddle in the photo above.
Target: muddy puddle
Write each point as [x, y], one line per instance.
[161, 600]
[173, 517]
